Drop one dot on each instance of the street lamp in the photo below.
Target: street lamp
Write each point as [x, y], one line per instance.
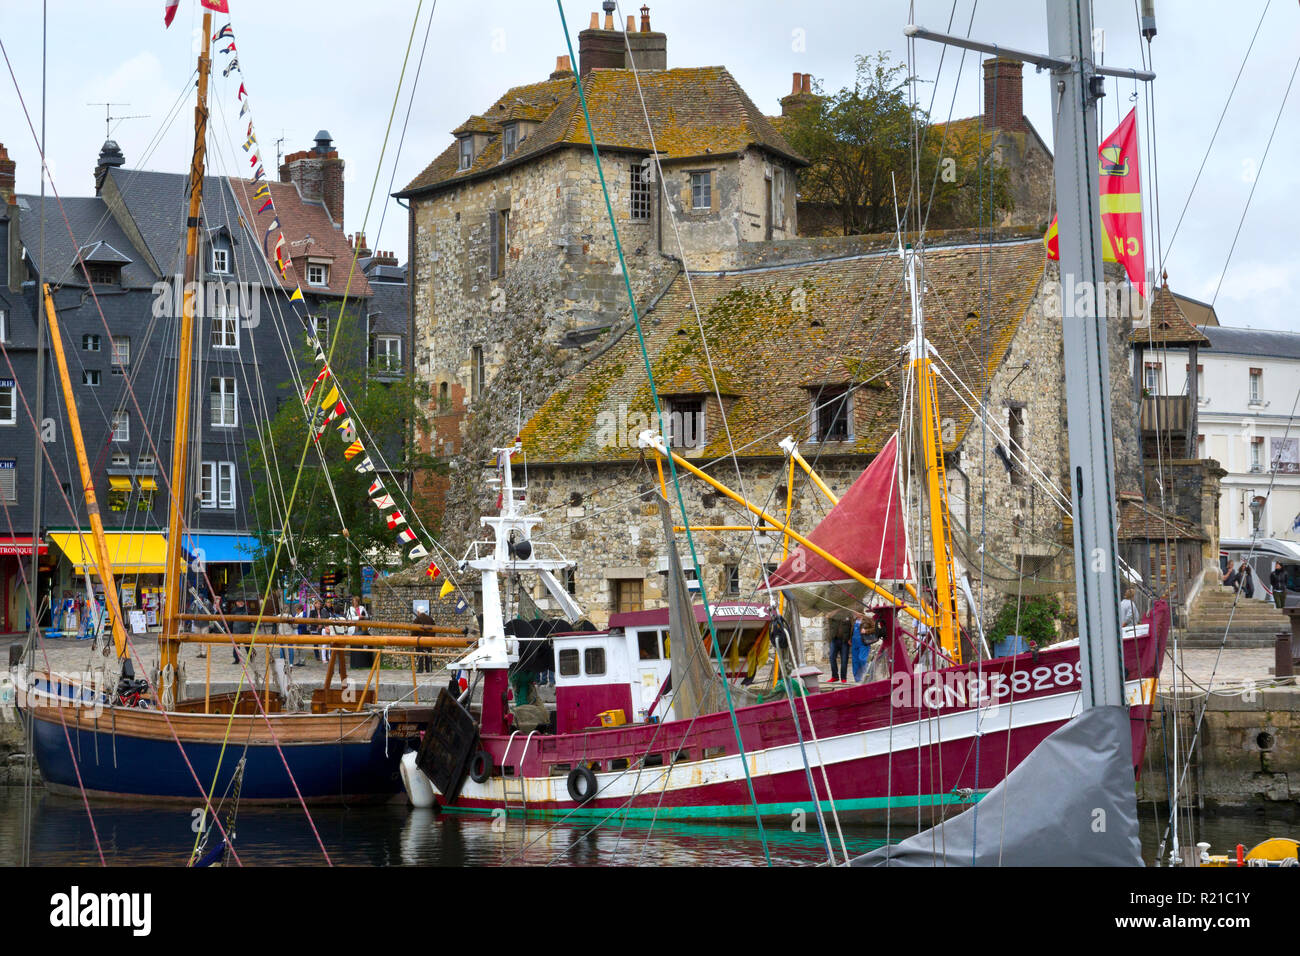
[1256, 506]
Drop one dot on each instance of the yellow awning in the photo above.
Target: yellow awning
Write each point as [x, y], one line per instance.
[119, 483]
[148, 484]
[131, 553]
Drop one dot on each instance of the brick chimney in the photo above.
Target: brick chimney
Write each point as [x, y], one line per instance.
[358, 243]
[383, 259]
[1004, 106]
[800, 94]
[318, 174]
[7, 174]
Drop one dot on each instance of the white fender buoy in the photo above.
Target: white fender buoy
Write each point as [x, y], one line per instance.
[419, 789]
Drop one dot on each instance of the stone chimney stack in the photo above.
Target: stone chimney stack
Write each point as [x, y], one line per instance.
[110, 157]
[563, 68]
[800, 94]
[318, 174]
[605, 47]
[7, 177]
[1004, 105]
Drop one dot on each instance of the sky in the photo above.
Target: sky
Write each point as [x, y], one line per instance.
[336, 64]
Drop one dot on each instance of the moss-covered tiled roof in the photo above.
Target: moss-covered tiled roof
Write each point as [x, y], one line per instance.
[693, 112]
[773, 333]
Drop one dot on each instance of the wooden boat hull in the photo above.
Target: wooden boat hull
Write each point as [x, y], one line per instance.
[125, 753]
[875, 754]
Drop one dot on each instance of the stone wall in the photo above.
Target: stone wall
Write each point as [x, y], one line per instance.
[559, 297]
[1246, 755]
[1191, 491]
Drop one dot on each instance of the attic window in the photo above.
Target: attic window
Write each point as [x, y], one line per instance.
[221, 260]
[686, 423]
[702, 190]
[509, 139]
[318, 274]
[466, 152]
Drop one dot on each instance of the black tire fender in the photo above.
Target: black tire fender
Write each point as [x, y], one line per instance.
[480, 766]
[582, 785]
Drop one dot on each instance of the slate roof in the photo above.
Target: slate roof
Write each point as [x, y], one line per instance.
[1265, 343]
[389, 308]
[851, 331]
[1169, 326]
[693, 112]
[102, 253]
[90, 221]
[157, 204]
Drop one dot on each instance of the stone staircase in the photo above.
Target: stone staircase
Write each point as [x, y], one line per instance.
[1255, 623]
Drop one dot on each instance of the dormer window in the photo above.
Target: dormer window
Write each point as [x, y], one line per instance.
[685, 422]
[832, 413]
[509, 139]
[466, 152]
[318, 274]
[221, 260]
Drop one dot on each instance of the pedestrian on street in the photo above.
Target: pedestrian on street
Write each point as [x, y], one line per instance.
[1277, 581]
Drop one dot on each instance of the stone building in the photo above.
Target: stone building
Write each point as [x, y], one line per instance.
[812, 350]
[1002, 131]
[515, 276]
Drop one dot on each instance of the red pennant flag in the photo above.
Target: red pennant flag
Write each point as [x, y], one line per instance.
[216, 6]
[169, 12]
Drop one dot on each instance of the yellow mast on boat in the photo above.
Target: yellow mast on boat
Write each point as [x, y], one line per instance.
[168, 646]
[936, 478]
[103, 564]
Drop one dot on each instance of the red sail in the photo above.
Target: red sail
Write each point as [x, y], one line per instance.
[866, 531]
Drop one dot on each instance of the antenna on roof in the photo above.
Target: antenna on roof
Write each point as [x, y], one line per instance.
[109, 118]
[279, 153]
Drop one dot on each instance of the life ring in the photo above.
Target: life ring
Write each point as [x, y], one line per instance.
[480, 767]
[582, 785]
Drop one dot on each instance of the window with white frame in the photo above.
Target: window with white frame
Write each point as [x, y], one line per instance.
[90, 376]
[220, 260]
[1151, 377]
[121, 426]
[217, 485]
[320, 327]
[1257, 454]
[8, 480]
[224, 402]
[388, 353]
[702, 190]
[225, 327]
[509, 139]
[4, 325]
[1256, 386]
[120, 459]
[121, 353]
[8, 402]
[90, 343]
[318, 274]
[466, 152]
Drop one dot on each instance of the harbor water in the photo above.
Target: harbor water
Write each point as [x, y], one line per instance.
[397, 835]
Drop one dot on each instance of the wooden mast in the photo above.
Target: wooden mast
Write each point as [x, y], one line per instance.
[103, 566]
[174, 588]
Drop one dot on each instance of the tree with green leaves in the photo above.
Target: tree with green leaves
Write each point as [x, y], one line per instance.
[333, 523]
[860, 141]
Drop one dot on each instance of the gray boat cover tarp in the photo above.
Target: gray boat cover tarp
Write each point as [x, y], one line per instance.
[1071, 802]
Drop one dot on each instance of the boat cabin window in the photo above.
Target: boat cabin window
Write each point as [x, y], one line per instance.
[593, 661]
[648, 645]
[568, 660]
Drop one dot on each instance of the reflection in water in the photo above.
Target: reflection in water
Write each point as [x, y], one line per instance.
[397, 835]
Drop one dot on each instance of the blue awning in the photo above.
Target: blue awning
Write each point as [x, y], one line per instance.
[222, 548]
